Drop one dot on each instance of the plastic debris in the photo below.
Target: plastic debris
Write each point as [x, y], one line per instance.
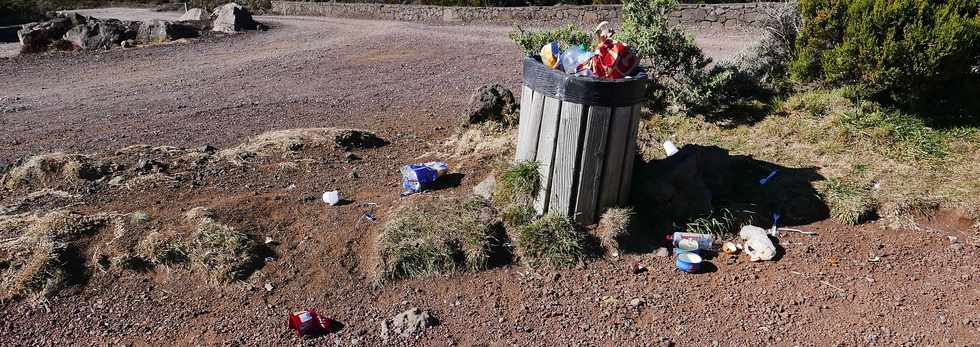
[309, 323]
[417, 177]
[332, 197]
[768, 178]
[688, 262]
[670, 148]
[691, 241]
[573, 59]
[550, 55]
[729, 248]
[367, 214]
[757, 244]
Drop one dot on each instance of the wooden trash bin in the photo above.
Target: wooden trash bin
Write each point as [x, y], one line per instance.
[581, 131]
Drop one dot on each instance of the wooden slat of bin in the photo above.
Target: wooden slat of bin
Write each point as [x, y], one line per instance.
[593, 153]
[630, 158]
[546, 150]
[532, 103]
[612, 173]
[566, 158]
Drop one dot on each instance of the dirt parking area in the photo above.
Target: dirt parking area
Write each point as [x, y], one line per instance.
[407, 82]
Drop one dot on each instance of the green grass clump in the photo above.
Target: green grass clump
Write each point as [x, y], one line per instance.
[849, 203]
[552, 241]
[444, 235]
[517, 184]
[517, 215]
[224, 252]
[722, 224]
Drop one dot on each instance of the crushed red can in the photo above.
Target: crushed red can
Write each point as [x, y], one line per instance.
[309, 323]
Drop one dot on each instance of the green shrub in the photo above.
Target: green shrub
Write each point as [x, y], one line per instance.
[531, 41]
[908, 52]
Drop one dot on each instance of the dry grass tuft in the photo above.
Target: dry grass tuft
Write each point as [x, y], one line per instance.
[225, 253]
[614, 227]
[162, 249]
[294, 140]
[54, 168]
[442, 235]
[553, 241]
[34, 262]
[486, 142]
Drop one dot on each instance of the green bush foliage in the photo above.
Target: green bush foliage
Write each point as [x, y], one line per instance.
[916, 53]
[531, 41]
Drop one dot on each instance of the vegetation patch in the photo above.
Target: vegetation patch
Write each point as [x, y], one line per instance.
[225, 253]
[849, 203]
[54, 168]
[517, 184]
[438, 236]
[553, 241]
[614, 229]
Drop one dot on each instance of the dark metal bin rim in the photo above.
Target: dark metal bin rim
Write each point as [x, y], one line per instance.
[584, 90]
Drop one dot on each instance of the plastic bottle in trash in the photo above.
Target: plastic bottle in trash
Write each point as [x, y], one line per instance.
[416, 177]
[573, 57]
[704, 241]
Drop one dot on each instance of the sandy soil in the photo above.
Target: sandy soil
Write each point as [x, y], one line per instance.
[862, 285]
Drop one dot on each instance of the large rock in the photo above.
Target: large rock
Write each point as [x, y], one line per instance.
[97, 34]
[157, 31]
[491, 102]
[35, 37]
[232, 17]
[197, 17]
[195, 14]
[411, 323]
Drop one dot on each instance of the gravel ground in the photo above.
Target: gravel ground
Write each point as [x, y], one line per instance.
[863, 285]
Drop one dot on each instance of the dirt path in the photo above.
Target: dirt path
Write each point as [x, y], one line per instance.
[390, 76]
[847, 285]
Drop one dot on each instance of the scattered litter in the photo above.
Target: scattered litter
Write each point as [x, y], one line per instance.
[689, 262]
[551, 55]
[269, 259]
[798, 231]
[775, 224]
[309, 323]
[417, 177]
[691, 242]
[874, 259]
[636, 302]
[768, 178]
[331, 197]
[670, 148]
[269, 287]
[269, 240]
[636, 268]
[367, 214]
[729, 248]
[757, 244]
[833, 286]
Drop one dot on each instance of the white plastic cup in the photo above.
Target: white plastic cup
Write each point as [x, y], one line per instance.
[670, 148]
[331, 198]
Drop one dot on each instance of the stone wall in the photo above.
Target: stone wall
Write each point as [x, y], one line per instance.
[737, 15]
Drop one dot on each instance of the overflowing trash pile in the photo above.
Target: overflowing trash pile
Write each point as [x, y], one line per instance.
[608, 59]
